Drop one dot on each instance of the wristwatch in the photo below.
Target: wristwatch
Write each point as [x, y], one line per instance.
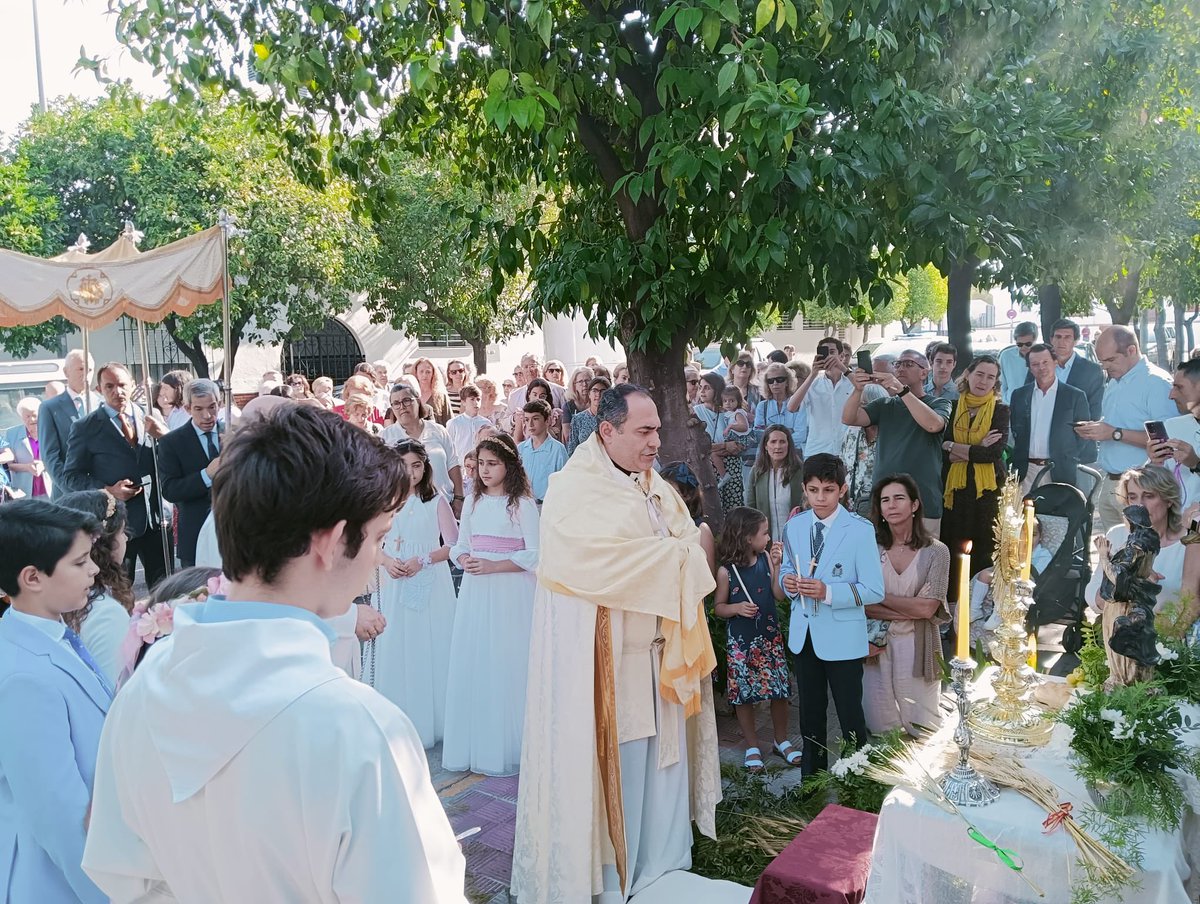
[903, 392]
[1117, 434]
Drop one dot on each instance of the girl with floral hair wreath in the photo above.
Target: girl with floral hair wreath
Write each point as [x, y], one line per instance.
[102, 622]
[489, 652]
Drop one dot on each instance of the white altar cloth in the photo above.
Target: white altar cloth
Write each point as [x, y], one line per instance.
[922, 854]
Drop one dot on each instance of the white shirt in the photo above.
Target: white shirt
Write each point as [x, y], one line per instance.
[1041, 416]
[462, 429]
[824, 402]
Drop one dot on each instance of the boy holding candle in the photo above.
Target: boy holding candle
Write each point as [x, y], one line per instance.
[830, 572]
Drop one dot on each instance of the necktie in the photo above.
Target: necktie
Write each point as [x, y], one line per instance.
[818, 543]
[129, 428]
[210, 446]
[79, 404]
[82, 651]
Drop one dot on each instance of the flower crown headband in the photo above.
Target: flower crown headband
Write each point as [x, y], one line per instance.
[111, 508]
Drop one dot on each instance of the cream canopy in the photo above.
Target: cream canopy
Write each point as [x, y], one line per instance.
[93, 290]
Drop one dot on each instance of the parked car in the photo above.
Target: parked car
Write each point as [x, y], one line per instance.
[710, 357]
[19, 379]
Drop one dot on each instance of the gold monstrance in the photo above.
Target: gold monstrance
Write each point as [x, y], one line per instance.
[1011, 717]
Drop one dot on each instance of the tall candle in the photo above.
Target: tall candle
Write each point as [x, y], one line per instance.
[963, 650]
[1027, 541]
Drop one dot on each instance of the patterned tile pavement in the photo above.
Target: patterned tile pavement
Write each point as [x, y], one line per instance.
[490, 803]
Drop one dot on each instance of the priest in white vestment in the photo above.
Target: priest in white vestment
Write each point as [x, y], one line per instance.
[619, 755]
[238, 764]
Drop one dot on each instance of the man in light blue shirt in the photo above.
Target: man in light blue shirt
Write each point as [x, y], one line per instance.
[541, 454]
[1137, 392]
[1014, 369]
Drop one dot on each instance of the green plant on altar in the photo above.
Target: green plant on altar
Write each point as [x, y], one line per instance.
[1092, 671]
[1124, 742]
[1178, 669]
[846, 779]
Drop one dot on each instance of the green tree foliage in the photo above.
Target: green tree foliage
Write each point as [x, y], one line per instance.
[426, 275]
[709, 160]
[170, 170]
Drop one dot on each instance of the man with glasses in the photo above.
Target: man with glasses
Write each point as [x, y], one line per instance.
[911, 424]
[823, 396]
[1014, 366]
[530, 369]
[1137, 392]
[692, 376]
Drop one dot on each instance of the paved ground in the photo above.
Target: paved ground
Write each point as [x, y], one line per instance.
[491, 804]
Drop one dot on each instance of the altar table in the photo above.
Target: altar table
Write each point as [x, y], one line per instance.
[922, 854]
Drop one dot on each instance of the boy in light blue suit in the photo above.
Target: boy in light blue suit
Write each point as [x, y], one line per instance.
[831, 573]
[53, 699]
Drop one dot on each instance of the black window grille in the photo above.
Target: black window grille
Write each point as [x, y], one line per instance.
[332, 351]
[441, 338]
[163, 354]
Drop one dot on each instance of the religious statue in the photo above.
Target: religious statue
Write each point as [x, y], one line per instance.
[1128, 595]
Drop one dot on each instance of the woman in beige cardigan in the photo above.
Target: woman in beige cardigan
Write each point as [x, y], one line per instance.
[901, 679]
[776, 487]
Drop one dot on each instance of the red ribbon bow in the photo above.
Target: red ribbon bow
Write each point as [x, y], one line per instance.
[1057, 818]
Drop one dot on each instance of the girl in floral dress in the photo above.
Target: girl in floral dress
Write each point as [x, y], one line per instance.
[754, 645]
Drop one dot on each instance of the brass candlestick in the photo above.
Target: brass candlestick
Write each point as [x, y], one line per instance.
[962, 785]
[1011, 717]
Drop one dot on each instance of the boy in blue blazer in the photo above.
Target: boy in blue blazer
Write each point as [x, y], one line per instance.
[53, 699]
[831, 573]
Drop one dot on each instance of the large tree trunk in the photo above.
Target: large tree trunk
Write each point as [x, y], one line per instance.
[478, 353]
[1181, 349]
[193, 351]
[1189, 325]
[1162, 353]
[1129, 287]
[1050, 302]
[958, 309]
[661, 372]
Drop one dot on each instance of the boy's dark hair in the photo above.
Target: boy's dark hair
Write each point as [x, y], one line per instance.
[538, 406]
[39, 533]
[683, 478]
[741, 524]
[1041, 347]
[470, 391]
[297, 471]
[825, 468]
[944, 348]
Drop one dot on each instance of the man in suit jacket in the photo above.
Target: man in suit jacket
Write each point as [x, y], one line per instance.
[110, 449]
[1041, 423]
[831, 572]
[57, 414]
[188, 458]
[1075, 370]
[53, 701]
[27, 466]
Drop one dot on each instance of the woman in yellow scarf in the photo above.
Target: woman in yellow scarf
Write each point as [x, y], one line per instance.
[974, 471]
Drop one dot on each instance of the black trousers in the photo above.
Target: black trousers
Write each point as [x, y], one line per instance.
[149, 548]
[817, 680]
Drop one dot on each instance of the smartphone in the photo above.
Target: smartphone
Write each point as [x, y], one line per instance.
[1156, 431]
[864, 360]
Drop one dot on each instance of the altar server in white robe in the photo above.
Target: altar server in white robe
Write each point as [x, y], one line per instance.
[620, 748]
[239, 764]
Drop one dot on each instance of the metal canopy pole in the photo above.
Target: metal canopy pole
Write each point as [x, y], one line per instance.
[168, 559]
[87, 360]
[225, 221]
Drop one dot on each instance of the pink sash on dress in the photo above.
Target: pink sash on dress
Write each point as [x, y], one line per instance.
[494, 544]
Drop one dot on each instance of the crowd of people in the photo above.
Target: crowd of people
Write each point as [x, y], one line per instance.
[845, 493]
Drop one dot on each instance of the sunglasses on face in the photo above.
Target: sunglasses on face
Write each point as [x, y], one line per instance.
[1028, 344]
[295, 382]
[455, 371]
[771, 381]
[553, 370]
[693, 382]
[744, 364]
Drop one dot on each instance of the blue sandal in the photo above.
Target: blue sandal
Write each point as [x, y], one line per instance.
[789, 753]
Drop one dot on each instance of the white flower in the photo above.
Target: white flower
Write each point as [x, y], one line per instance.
[840, 768]
[1165, 653]
[1121, 729]
[1112, 715]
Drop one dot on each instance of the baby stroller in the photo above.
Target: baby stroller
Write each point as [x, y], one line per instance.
[1065, 516]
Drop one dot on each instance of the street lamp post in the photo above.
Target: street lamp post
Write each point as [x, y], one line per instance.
[37, 56]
